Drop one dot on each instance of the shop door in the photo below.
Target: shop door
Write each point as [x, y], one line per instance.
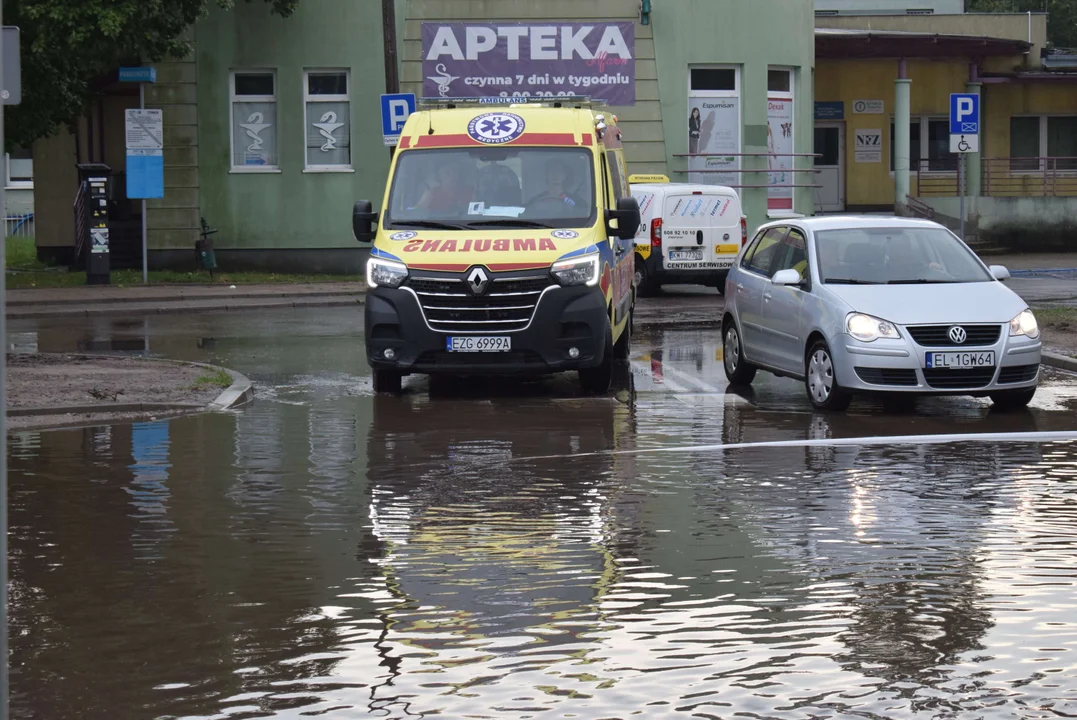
[830, 162]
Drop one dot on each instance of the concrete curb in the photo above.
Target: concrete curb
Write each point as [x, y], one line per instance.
[1062, 362]
[184, 294]
[239, 393]
[72, 310]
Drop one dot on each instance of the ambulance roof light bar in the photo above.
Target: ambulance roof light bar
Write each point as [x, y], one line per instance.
[558, 101]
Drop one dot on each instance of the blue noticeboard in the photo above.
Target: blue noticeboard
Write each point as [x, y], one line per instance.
[830, 110]
[138, 74]
[964, 114]
[395, 109]
[145, 175]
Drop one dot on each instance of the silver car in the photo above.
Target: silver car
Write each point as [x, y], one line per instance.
[877, 304]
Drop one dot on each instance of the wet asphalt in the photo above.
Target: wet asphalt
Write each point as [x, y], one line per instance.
[515, 549]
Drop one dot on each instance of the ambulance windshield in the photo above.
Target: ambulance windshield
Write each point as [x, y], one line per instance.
[488, 187]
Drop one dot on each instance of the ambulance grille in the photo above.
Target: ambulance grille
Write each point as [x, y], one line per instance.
[507, 305]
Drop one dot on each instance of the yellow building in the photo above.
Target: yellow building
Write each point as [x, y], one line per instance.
[876, 73]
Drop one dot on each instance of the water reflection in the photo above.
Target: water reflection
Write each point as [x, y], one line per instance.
[493, 550]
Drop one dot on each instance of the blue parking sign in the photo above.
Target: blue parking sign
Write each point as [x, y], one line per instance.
[964, 114]
[395, 109]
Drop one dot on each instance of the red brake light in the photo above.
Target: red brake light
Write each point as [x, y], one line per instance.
[697, 192]
[656, 232]
[743, 231]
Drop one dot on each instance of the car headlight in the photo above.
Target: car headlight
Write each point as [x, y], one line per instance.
[867, 328]
[1025, 324]
[385, 273]
[577, 271]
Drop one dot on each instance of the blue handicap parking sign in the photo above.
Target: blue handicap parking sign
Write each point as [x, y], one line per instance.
[395, 109]
[964, 114]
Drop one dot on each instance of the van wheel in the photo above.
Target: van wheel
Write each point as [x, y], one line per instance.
[821, 381]
[387, 381]
[597, 380]
[737, 370]
[623, 349]
[644, 281]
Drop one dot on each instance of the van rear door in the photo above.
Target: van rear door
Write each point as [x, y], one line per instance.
[700, 231]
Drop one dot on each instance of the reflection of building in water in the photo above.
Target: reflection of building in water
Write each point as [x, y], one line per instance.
[485, 545]
[149, 489]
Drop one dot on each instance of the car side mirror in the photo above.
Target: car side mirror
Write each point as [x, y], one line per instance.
[999, 272]
[364, 220]
[787, 277]
[627, 217]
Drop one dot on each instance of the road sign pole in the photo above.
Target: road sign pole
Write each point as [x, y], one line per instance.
[145, 250]
[4, 616]
[961, 190]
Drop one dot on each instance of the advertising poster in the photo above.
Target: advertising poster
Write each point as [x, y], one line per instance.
[470, 60]
[780, 153]
[716, 123]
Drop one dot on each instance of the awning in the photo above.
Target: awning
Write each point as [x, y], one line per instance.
[840, 43]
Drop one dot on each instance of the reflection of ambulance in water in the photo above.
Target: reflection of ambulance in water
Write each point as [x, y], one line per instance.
[504, 245]
[687, 233]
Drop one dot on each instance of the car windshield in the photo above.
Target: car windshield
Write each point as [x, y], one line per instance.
[498, 187]
[895, 256]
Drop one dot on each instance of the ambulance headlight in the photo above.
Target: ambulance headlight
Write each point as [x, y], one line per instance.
[581, 270]
[385, 273]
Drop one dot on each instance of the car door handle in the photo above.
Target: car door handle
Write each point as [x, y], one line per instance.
[620, 250]
[740, 287]
[766, 296]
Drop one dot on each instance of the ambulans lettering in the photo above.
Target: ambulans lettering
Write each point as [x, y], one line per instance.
[501, 245]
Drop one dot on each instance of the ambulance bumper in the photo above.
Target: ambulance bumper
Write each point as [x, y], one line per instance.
[563, 319]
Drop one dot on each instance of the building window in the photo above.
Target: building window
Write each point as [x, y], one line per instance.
[1050, 137]
[930, 134]
[20, 169]
[780, 147]
[327, 120]
[254, 121]
[714, 125]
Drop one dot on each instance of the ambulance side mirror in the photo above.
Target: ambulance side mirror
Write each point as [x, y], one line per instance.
[627, 217]
[364, 220]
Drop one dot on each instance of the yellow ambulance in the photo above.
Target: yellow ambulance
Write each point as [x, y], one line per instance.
[504, 244]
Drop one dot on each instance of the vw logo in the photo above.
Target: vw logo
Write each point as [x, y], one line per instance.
[477, 280]
[958, 335]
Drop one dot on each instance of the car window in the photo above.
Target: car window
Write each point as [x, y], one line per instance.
[793, 254]
[750, 250]
[766, 249]
[895, 255]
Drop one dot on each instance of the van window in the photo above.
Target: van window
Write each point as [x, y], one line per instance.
[460, 186]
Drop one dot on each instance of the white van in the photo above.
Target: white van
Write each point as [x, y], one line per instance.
[687, 234]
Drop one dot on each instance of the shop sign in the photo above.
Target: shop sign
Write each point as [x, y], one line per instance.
[780, 153]
[830, 110]
[468, 60]
[719, 132]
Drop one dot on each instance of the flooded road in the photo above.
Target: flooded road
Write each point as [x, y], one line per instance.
[515, 550]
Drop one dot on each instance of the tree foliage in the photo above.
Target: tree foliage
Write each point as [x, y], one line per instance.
[69, 45]
[1061, 16]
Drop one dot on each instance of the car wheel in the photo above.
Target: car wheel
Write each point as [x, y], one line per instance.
[821, 381]
[737, 370]
[597, 380]
[1013, 399]
[623, 349]
[644, 282]
[387, 381]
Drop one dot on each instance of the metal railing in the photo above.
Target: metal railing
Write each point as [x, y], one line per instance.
[734, 171]
[1030, 177]
[19, 218]
[1000, 177]
[82, 234]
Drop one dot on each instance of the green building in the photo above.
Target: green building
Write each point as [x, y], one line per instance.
[273, 126]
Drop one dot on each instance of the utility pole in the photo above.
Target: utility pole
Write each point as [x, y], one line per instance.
[388, 29]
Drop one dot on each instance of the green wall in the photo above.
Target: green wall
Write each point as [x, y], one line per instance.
[753, 35]
[291, 209]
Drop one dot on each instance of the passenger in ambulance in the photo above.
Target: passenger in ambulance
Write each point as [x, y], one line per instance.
[451, 195]
[557, 192]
